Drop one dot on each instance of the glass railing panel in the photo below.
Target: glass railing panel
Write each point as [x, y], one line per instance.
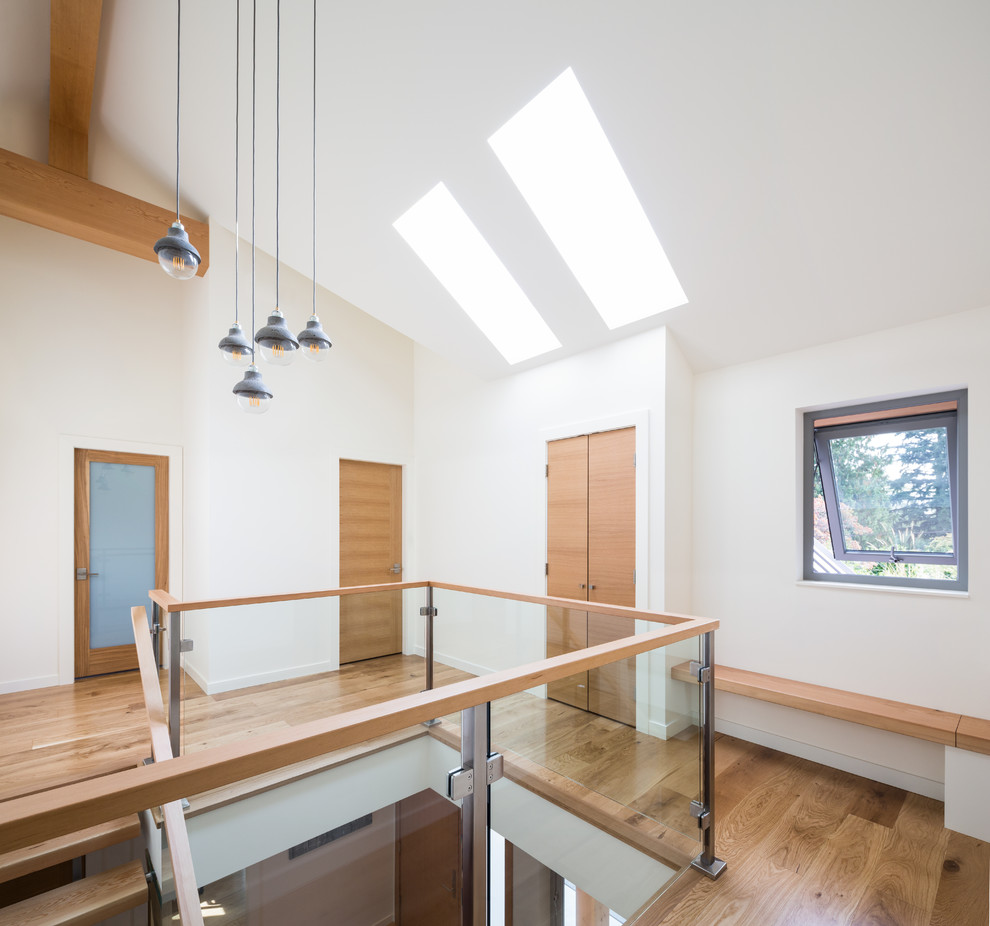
[478, 634]
[259, 667]
[367, 839]
[635, 780]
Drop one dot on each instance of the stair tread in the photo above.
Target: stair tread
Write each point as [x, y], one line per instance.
[44, 854]
[84, 902]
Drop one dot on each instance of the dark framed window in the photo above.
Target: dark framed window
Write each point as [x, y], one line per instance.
[885, 493]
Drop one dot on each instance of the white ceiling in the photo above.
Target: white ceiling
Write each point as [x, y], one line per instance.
[814, 170]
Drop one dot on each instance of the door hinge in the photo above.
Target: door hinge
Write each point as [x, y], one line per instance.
[634, 577]
[634, 459]
[185, 646]
[546, 569]
[547, 473]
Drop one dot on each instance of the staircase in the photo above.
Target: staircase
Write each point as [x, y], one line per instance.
[27, 876]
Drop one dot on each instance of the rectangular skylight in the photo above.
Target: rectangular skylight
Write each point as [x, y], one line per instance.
[559, 157]
[447, 241]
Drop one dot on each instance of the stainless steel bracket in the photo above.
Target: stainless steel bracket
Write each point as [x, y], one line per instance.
[494, 766]
[427, 612]
[185, 646]
[702, 813]
[460, 783]
[702, 673]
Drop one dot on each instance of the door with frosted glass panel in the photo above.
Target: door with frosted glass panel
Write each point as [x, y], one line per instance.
[121, 551]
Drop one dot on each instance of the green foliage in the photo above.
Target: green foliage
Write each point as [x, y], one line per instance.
[894, 491]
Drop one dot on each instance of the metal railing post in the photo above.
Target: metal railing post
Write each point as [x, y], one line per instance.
[475, 726]
[156, 630]
[704, 809]
[431, 612]
[174, 679]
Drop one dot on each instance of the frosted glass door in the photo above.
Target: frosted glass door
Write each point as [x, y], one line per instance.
[121, 548]
[121, 552]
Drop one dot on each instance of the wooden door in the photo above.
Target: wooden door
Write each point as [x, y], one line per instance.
[567, 559]
[591, 554]
[534, 894]
[612, 565]
[121, 552]
[370, 551]
[428, 840]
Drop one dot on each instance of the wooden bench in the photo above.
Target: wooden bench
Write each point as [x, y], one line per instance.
[948, 729]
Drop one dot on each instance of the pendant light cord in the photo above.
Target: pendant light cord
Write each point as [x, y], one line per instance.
[278, 129]
[314, 157]
[237, 163]
[254, 133]
[178, 86]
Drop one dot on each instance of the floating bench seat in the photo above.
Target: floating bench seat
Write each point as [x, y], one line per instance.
[948, 729]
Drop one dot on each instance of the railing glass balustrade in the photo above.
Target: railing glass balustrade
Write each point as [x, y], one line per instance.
[584, 810]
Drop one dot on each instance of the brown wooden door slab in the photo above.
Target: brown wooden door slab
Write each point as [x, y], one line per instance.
[612, 565]
[428, 833]
[567, 559]
[121, 552]
[370, 548]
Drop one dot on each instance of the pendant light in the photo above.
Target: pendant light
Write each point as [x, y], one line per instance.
[253, 396]
[176, 254]
[316, 345]
[278, 344]
[235, 348]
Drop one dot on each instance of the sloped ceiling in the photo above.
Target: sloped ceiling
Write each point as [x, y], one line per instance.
[813, 170]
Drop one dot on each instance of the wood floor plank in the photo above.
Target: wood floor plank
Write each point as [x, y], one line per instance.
[963, 898]
[834, 884]
[879, 803]
[801, 834]
[914, 846]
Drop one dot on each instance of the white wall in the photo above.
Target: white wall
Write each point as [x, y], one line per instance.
[92, 337]
[913, 646]
[130, 361]
[263, 490]
[481, 486]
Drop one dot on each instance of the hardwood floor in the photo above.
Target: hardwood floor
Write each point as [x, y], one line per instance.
[806, 845]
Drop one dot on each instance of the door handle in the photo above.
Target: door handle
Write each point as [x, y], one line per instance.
[82, 574]
[396, 568]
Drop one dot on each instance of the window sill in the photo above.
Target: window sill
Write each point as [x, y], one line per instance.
[884, 589]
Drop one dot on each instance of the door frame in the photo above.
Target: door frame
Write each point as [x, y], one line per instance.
[67, 446]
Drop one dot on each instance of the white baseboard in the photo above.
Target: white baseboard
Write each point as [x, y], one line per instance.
[666, 731]
[196, 676]
[871, 770]
[261, 678]
[27, 684]
[453, 662]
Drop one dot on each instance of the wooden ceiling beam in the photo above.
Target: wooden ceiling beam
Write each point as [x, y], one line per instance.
[69, 204]
[75, 39]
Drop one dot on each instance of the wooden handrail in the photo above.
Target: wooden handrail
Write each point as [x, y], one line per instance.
[186, 891]
[30, 819]
[171, 605]
[575, 604]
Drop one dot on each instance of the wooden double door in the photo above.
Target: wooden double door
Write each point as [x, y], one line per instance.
[591, 556]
